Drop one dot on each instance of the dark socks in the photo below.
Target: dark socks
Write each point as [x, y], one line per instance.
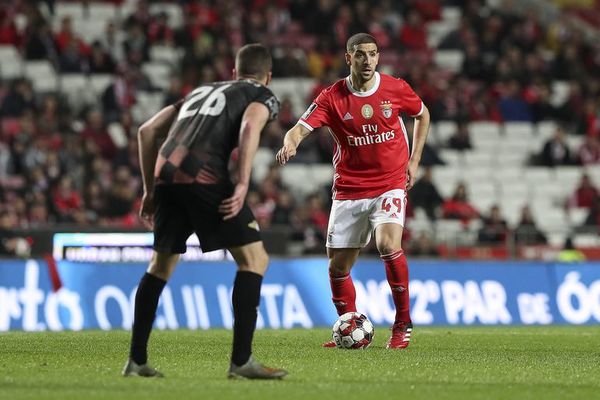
[245, 299]
[146, 302]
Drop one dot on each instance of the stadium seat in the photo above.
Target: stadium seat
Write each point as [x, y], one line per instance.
[99, 82]
[419, 223]
[263, 158]
[75, 87]
[10, 63]
[453, 233]
[117, 134]
[560, 92]
[148, 103]
[173, 10]
[102, 11]
[452, 157]
[511, 210]
[536, 175]
[447, 176]
[42, 75]
[594, 174]
[438, 30]
[568, 177]
[297, 178]
[296, 89]
[507, 159]
[449, 59]
[73, 9]
[158, 73]
[442, 131]
[321, 174]
[483, 188]
[515, 191]
[556, 238]
[165, 54]
[577, 216]
[480, 160]
[551, 219]
[94, 29]
[548, 190]
[477, 174]
[518, 131]
[586, 240]
[574, 142]
[545, 129]
[484, 134]
[451, 14]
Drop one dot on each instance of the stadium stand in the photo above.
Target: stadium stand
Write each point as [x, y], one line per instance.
[465, 73]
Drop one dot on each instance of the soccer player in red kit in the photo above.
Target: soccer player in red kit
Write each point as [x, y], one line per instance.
[373, 169]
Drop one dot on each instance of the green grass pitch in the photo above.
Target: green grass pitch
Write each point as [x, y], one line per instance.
[441, 363]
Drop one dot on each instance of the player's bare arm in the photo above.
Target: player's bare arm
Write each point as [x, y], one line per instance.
[150, 135]
[253, 121]
[419, 138]
[291, 141]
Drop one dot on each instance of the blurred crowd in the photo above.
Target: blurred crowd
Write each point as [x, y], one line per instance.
[78, 165]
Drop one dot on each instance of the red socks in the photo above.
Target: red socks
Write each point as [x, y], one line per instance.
[343, 293]
[396, 270]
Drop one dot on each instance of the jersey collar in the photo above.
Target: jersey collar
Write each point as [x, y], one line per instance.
[368, 92]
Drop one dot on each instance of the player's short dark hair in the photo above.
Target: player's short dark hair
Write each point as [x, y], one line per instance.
[253, 60]
[359, 38]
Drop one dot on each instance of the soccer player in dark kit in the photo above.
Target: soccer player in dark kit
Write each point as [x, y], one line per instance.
[188, 189]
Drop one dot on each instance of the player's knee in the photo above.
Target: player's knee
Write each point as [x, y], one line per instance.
[386, 249]
[159, 269]
[162, 265]
[338, 269]
[256, 261]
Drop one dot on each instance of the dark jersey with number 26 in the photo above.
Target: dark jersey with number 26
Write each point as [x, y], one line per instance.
[207, 128]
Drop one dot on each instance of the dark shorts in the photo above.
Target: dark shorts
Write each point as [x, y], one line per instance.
[181, 210]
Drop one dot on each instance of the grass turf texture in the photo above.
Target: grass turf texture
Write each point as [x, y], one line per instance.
[441, 363]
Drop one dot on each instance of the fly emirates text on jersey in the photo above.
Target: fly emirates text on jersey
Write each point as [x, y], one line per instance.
[371, 136]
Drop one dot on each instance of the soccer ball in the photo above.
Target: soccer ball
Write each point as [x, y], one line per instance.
[353, 330]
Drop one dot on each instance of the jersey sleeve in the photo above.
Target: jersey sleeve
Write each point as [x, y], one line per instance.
[410, 103]
[266, 97]
[316, 115]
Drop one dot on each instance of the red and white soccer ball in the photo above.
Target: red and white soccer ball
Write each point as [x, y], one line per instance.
[353, 330]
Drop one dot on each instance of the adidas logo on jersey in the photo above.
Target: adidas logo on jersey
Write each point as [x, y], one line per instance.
[347, 117]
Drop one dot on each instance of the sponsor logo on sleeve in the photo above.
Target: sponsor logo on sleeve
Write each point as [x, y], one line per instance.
[309, 111]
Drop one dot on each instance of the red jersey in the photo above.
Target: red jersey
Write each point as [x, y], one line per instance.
[371, 144]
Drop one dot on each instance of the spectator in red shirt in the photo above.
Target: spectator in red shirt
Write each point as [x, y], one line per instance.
[67, 37]
[458, 206]
[8, 31]
[412, 33]
[159, 31]
[585, 195]
[96, 132]
[66, 199]
[589, 152]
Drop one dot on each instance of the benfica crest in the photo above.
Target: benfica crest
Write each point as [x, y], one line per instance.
[386, 108]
